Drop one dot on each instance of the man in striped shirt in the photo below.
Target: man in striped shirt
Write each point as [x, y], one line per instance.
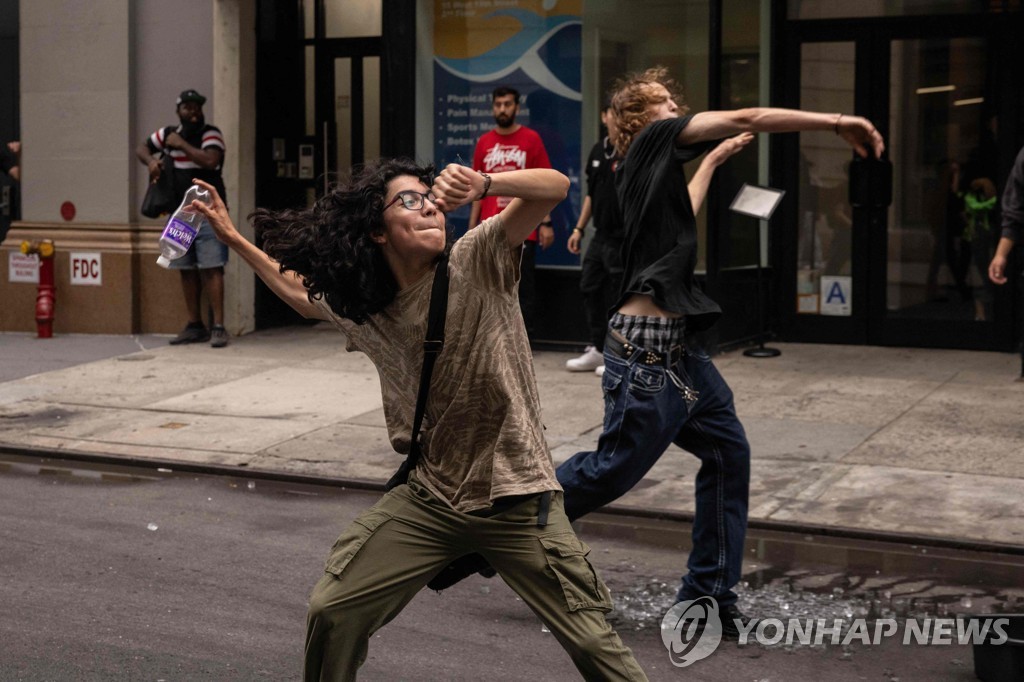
[197, 150]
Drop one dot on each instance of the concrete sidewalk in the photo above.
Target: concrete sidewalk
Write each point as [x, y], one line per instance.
[928, 443]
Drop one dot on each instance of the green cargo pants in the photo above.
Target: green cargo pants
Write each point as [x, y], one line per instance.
[395, 547]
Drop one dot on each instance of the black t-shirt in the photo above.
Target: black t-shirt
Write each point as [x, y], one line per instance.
[660, 248]
[601, 190]
[204, 137]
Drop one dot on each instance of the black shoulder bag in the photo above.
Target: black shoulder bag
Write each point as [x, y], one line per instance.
[162, 196]
[432, 346]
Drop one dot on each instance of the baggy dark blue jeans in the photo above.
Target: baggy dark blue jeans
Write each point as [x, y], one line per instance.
[644, 413]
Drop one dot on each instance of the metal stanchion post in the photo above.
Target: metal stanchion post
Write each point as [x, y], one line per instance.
[758, 202]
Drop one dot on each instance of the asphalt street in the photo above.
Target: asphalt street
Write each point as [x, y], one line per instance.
[148, 576]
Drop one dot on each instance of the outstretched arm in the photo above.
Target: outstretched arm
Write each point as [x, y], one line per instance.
[535, 192]
[287, 285]
[701, 180]
[857, 131]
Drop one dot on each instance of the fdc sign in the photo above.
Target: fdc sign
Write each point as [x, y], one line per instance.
[87, 269]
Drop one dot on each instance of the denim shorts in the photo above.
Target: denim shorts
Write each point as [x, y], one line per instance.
[206, 252]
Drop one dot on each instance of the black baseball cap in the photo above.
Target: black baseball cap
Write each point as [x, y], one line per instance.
[191, 96]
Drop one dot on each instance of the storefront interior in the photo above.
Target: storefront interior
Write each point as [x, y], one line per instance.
[935, 77]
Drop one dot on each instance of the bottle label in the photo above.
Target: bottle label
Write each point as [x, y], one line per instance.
[180, 232]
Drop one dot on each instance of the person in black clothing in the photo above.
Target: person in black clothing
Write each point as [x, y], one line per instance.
[657, 390]
[197, 149]
[696, 191]
[1012, 220]
[601, 268]
[601, 271]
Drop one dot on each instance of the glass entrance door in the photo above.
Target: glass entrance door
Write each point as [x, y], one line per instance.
[943, 222]
[914, 272]
[319, 103]
[824, 217]
[347, 111]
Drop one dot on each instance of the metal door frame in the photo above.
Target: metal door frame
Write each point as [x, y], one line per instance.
[869, 322]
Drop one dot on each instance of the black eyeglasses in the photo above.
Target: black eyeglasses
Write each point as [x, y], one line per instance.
[412, 200]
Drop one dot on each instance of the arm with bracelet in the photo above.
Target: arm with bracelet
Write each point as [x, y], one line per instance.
[857, 131]
[534, 191]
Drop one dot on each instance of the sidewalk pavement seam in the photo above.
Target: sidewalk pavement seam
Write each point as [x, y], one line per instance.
[155, 410]
[912, 405]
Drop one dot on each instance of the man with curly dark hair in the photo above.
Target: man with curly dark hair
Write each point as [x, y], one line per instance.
[363, 257]
[657, 390]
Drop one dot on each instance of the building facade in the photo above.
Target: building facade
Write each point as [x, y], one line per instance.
[95, 79]
[305, 89]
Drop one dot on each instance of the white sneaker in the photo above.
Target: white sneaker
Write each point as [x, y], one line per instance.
[588, 362]
[599, 371]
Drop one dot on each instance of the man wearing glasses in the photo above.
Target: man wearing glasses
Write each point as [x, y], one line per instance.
[364, 257]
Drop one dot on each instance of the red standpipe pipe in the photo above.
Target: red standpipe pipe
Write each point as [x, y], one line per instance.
[45, 298]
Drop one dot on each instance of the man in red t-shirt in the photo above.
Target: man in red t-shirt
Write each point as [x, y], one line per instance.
[511, 146]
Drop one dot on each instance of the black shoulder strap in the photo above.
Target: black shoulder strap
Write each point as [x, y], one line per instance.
[433, 344]
[167, 130]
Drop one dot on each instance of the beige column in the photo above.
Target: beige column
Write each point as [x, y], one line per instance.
[234, 91]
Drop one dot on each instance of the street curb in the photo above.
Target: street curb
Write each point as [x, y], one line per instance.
[790, 527]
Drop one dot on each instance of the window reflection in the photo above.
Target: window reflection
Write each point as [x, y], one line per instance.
[942, 224]
[352, 18]
[824, 231]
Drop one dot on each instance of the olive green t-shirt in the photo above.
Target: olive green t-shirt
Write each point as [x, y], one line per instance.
[482, 433]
